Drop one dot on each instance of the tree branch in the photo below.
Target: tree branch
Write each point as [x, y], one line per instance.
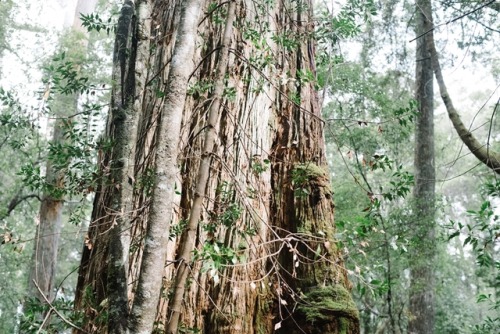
[492, 4]
[495, 5]
[481, 151]
[15, 201]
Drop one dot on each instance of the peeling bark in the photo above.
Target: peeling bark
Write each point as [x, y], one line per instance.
[229, 236]
[189, 240]
[157, 233]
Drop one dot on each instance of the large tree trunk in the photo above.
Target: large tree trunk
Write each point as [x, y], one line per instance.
[255, 209]
[43, 266]
[421, 307]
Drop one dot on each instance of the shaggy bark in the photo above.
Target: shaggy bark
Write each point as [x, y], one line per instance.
[189, 239]
[255, 242]
[157, 234]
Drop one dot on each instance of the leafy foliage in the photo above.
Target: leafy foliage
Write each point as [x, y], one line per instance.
[31, 322]
[482, 234]
[94, 22]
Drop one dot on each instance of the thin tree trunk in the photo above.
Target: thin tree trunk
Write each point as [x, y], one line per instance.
[5, 10]
[146, 299]
[44, 260]
[108, 241]
[421, 305]
[122, 127]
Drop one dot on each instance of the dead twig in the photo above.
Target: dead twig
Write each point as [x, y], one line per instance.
[52, 308]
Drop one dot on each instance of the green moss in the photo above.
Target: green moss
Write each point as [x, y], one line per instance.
[305, 226]
[323, 304]
[309, 175]
[311, 170]
[344, 326]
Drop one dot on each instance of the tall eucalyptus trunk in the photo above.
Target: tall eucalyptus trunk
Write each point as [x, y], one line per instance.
[421, 307]
[230, 213]
[44, 260]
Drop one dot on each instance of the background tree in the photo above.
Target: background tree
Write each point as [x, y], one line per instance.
[23, 134]
[421, 303]
[483, 152]
[363, 117]
[19, 143]
[63, 105]
[5, 10]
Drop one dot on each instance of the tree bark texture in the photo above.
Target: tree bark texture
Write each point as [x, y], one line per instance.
[110, 244]
[188, 245]
[246, 225]
[421, 306]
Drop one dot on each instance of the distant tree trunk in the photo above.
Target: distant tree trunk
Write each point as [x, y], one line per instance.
[44, 261]
[258, 253]
[421, 307]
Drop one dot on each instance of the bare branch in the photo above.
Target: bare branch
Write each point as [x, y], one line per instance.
[492, 4]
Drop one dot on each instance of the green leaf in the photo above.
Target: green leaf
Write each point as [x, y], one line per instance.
[453, 235]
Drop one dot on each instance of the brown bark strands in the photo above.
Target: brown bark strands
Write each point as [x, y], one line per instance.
[264, 133]
[104, 265]
[189, 238]
[143, 311]
[299, 164]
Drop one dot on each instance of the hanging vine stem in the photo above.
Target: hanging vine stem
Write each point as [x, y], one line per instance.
[188, 245]
[454, 19]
